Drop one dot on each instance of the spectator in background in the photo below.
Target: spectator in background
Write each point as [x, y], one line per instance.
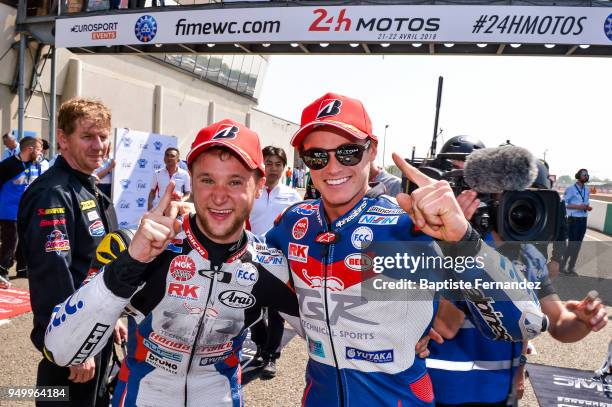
[393, 184]
[172, 172]
[11, 147]
[576, 200]
[301, 176]
[294, 177]
[311, 191]
[16, 173]
[104, 174]
[289, 175]
[276, 197]
[44, 162]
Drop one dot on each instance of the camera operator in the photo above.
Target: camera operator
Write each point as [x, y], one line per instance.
[542, 181]
[495, 362]
[576, 200]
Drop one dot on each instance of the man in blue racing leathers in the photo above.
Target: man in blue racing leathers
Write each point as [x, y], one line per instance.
[362, 352]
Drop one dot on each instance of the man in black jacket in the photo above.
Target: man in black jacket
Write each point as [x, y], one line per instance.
[62, 218]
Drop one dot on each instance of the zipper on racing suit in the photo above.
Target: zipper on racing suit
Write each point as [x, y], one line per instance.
[201, 325]
[325, 256]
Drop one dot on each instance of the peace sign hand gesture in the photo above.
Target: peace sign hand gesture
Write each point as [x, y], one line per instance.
[432, 207]
[157, 228]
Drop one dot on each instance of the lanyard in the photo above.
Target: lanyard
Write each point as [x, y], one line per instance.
[28, 172]
[581, 193]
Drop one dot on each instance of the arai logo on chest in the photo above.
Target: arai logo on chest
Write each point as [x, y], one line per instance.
[237, 299]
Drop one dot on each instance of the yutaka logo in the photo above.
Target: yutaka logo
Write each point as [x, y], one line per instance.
[125, 183]
[226, 131]
[329, 107]
[158, 145]
[377, 356]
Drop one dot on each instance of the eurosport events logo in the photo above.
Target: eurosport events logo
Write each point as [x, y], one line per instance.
[99, 31]
[145, 28]
[608, 27]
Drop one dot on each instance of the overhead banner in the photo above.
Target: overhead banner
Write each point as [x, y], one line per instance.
[137, 156]
[367, 23]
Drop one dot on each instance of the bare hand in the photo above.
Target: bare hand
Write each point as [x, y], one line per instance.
[84, 372]
[112, 164]
[432, 207]
[519, 382]
[468, 203]
[421, 347]
[448, 320]
[180, 208]
[590, 311]
[121, 333]
[589, 208]
[156, 230]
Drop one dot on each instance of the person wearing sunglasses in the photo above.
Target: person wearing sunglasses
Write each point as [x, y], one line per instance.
[576, 200]
[361, 351]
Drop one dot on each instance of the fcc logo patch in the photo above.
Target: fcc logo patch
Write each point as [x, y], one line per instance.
[329, 107]
[608, 27]
[145, 28]
[226, 132]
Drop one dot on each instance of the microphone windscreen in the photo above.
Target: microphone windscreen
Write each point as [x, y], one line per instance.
[506, 168]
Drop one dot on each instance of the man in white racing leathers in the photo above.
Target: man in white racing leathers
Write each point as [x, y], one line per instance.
[189, 295]
[362, 345]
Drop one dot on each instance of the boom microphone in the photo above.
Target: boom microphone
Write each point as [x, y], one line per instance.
[506, 168]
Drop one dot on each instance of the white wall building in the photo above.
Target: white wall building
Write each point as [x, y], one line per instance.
[167, 94]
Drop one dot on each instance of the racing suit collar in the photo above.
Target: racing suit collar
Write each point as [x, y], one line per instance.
[217, 253]
[85, 178]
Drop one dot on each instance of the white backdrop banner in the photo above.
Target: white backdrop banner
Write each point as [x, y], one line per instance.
[137, 156]
[360, 23]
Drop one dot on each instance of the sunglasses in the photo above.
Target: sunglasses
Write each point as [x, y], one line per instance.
[346, 154]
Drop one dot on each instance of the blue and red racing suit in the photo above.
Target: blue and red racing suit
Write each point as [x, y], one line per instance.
[363, 352]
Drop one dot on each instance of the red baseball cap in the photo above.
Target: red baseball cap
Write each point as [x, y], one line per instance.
[338, 111]
[233, 135]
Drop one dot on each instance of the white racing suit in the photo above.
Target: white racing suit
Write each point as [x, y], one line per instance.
[186, 322]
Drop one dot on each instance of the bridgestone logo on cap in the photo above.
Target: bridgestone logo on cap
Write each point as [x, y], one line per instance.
[226, 132]
[329, 107]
